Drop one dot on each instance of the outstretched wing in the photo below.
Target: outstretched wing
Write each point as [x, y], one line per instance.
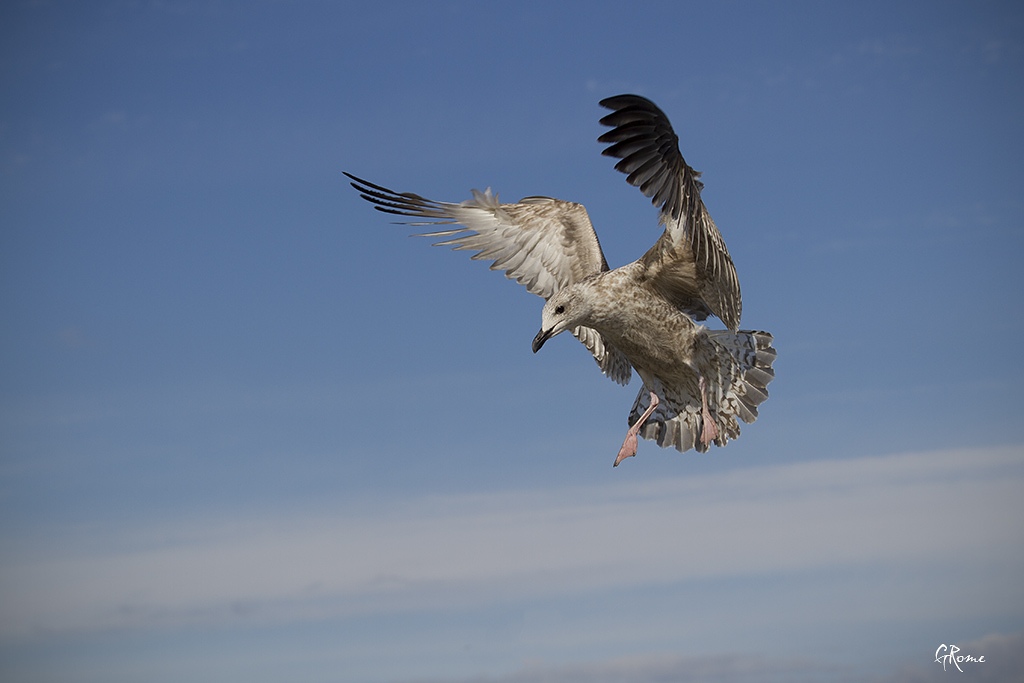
[690, 264]
[542, 243]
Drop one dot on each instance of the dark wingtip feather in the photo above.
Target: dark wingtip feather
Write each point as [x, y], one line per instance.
[624, 100]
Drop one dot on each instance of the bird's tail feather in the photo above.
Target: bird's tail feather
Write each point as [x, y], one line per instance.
[736, 383]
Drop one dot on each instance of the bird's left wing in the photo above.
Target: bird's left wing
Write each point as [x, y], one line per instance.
[690, 265]
[542, 243]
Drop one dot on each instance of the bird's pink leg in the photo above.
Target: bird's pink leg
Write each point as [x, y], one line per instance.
[628, 449]
[710, 431]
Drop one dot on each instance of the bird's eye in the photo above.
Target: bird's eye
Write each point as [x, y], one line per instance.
[559, 310]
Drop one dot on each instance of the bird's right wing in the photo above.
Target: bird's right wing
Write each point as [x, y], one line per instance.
[542, 243]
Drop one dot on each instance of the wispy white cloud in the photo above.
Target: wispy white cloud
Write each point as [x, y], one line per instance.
[660, 668]
[1003, 653]
[942, 507]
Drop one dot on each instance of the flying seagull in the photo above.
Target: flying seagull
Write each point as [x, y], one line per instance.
[643, 315]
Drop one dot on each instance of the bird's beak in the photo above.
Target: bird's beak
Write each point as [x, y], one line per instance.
[541, 337]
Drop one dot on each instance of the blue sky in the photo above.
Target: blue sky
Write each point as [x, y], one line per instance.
[251, 431]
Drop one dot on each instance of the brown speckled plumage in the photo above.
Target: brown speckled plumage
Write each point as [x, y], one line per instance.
[641, 315]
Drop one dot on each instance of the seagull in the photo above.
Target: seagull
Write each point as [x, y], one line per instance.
[645, 315]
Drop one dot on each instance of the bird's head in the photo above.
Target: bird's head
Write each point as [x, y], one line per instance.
[565, 310]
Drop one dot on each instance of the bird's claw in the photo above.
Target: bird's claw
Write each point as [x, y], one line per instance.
[628, 449]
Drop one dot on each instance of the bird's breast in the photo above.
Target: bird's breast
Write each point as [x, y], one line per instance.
[653, 334]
